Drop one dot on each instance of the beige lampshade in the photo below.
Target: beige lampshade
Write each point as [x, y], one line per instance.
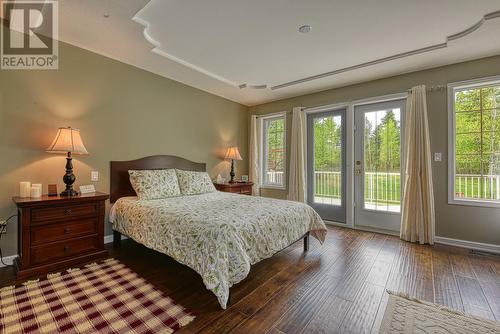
[67, 140]
[233, 153]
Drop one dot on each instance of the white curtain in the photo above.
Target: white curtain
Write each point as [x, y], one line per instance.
[254, 154]
[297, 174]
[417, 216]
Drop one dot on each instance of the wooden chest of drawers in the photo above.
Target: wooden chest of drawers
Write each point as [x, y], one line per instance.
[59, 232]
[244, 188]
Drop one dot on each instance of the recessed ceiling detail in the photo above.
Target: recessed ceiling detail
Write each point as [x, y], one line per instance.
[243, 86]
[158, 50]
[252, 52]
[306, 29]
[450, 38]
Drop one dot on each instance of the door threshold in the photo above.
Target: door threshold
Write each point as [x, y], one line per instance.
[363, 228]
[377, 230]
[332, 223]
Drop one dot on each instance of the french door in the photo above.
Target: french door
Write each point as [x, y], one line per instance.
[326, 164]
[378, 143]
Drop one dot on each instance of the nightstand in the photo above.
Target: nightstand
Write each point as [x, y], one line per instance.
[244, 188]
[59, 232]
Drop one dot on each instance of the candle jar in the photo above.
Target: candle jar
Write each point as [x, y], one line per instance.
[39, 185]
[24, 189]
[36, 192]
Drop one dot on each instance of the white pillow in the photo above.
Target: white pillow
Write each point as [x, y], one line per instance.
[154, 183]
[193, 183]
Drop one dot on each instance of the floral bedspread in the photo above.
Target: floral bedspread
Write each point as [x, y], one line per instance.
[219, 235]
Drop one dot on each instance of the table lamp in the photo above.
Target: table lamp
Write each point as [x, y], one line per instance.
[233, 154]
[68, 141]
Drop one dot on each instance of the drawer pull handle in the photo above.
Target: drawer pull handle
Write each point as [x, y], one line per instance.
[66, 248]
[66, 230]
[67, 211]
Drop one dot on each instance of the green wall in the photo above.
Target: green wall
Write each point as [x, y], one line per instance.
[452, 221]
[123, 113]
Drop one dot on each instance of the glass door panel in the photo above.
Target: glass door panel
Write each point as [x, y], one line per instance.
[382, 160]
[326, 164]
[378, 166]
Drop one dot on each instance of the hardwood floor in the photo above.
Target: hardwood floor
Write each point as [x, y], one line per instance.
[338, 287]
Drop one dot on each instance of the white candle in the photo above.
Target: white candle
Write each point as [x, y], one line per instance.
[24, 189]
[36, 192]
[39, 185]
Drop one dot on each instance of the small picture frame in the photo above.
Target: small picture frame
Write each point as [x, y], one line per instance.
[52, 189]
[244, 178]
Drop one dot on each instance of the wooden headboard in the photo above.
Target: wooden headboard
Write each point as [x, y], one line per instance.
[120, 183]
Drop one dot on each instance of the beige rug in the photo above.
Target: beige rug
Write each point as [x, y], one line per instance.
[405, 315]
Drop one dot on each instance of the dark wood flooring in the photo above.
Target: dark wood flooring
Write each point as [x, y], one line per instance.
[338, 287]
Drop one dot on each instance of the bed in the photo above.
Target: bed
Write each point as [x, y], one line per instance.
[219, 235]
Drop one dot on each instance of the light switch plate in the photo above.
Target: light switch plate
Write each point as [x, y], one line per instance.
[87, 189]
[438, 156]
[94, 175]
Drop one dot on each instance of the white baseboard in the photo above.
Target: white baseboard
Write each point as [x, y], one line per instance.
[491, 248]
[9, 260]
[109, 238]
[468, 244]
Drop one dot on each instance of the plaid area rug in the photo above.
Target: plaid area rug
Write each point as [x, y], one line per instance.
[100, 298]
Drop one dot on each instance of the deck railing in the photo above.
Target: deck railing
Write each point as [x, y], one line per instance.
[386, 187]
[379, 187]
[275, 177]
[477, 186]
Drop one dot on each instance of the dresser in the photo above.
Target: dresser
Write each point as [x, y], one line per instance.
[59, 232]
[244, 188]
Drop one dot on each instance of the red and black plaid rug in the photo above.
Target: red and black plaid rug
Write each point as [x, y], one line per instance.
[100, 298]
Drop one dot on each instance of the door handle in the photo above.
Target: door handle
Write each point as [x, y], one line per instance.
[357, 168]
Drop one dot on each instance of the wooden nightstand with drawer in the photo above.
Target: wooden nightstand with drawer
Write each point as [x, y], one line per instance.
[244, 188]
[59, 232]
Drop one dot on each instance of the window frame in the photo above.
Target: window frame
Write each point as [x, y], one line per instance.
[263, 160]
[452, 88]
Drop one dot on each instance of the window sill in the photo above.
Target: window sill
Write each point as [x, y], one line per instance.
[470, 202]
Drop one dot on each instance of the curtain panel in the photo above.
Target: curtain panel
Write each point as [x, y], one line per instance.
[254, 155]
[297, 173]
[417, 216]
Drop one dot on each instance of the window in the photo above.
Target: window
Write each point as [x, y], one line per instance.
[273, 169]
[475, 143]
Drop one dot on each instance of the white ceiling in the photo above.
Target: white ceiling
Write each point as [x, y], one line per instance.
[218, 45]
